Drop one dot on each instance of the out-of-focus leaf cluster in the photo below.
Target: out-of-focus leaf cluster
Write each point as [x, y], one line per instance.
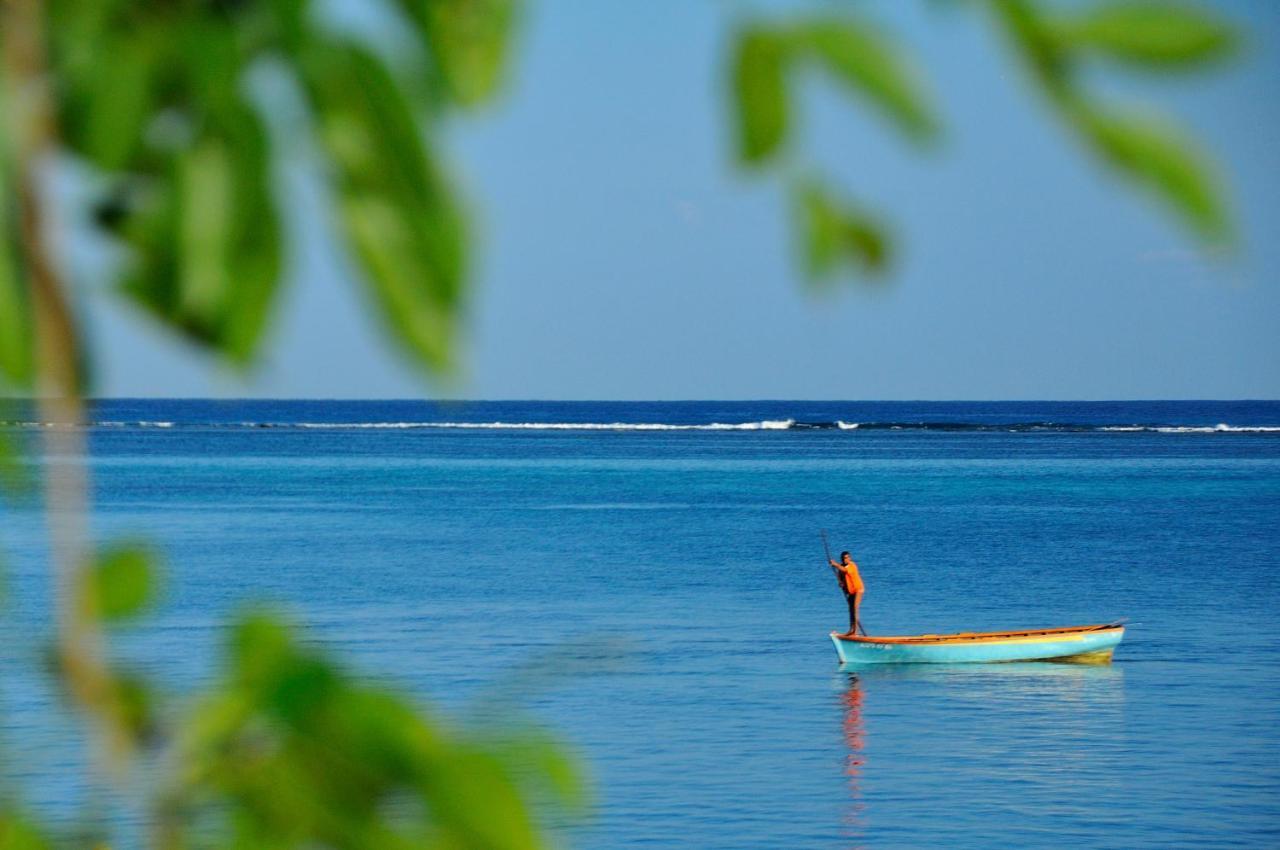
[156, 97]
[286, 749]
[1152, 33]
[836, 235]
[121, 586]
[19, 832]
[1056, 40]
[290, 751]
[16, 354]
[124, 581]
[859, 59]
[1056, 43]
[398, 210]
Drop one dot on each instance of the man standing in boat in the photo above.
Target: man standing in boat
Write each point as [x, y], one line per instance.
[851, 583]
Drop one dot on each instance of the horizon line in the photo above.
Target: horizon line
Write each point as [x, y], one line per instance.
[352, 399]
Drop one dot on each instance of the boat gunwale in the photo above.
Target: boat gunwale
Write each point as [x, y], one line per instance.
[965, 637]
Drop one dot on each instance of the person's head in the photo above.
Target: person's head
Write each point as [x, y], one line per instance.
[844, 558]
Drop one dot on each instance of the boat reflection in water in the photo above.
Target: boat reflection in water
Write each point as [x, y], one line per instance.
[971, 746]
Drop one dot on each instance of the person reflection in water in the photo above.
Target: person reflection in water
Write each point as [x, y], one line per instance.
[854, 739]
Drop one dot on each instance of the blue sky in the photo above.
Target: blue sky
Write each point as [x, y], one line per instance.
[621, 255]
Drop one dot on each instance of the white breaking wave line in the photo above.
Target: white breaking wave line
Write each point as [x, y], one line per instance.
[765, 425]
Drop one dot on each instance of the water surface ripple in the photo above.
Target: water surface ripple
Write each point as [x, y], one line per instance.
[658, 597]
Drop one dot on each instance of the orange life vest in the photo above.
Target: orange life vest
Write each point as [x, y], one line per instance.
[852, 581]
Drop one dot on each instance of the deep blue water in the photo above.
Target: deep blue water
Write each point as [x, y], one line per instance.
[659, 598]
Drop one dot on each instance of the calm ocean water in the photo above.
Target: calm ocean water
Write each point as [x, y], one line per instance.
[658, 596]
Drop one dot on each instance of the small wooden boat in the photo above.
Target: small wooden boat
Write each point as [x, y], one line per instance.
[1079, 644]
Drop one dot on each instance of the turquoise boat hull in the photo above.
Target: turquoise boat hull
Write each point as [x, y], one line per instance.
[1081, 644]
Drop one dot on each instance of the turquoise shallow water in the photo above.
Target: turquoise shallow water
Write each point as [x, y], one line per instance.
[659, 598]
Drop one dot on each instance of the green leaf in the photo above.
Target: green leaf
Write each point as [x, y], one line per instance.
[1157, 155]
[260, 646]
[206, 237]
[399, 213]
[1147, 32]
[833, 234]
[477, 802]
[544, 764]
[137, 706]
[16, 338]
[861, 58]
[468, 40]
[106, 121]
[18, 832]
[760, 93]
[113, 62]
[124, 581]
[16, 361]
[390, 737]
[1149, 151]
[1035, 39]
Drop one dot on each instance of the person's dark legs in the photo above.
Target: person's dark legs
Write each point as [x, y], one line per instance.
[852, 599]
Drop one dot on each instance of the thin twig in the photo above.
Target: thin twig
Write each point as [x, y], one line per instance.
[58, 382]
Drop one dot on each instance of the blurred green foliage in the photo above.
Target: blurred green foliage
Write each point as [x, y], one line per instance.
[124, 581]
[1146, 149]
[19, 832]
[398, 210]
[468, 40]
[288, 750]
[1054, 40]
[870, 66]
[836, 234]
[15, 310]
[1162, 35]
[155, 100]
[760, 86]
[157, 97]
